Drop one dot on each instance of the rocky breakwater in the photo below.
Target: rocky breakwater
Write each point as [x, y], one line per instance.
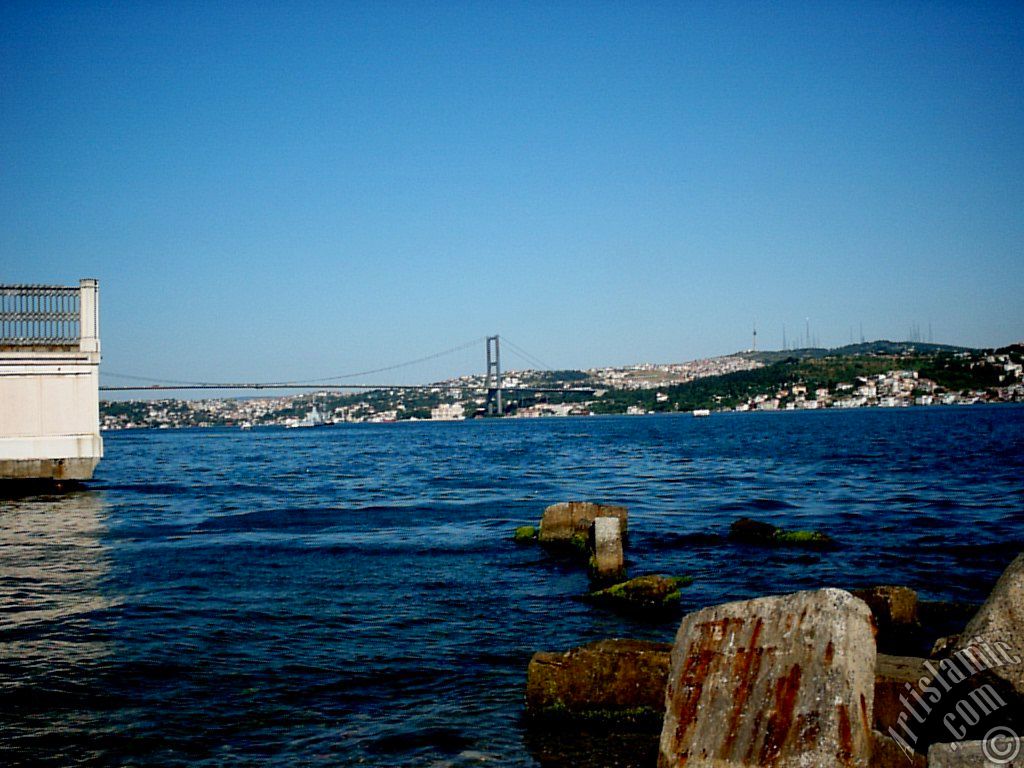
[796, 681]
[778, 681]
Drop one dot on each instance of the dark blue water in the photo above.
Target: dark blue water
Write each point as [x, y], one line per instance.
[352, 595]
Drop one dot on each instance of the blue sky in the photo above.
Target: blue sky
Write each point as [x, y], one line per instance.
[292, 190]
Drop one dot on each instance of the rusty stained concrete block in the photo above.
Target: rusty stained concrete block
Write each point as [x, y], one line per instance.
[778, 681]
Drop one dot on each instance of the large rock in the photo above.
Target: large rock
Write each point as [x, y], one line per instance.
[998, 627]
[605, 680]
[566, 519]
[779, 681]
[607, 564]
[1001, 751]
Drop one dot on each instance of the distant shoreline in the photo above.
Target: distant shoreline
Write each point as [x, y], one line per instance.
[673, 414]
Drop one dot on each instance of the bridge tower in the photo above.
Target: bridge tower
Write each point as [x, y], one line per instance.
[493, 381]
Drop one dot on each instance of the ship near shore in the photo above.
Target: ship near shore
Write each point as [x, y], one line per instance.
[312, 419]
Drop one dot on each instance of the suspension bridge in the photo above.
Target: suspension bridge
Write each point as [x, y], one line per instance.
[493, 382]
[50, 381]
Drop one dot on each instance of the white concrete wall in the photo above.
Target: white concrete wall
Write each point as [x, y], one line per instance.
[49, 406]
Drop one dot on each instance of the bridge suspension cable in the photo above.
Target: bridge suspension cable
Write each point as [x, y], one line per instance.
[522, 353]
[396, 366]
[301, 383]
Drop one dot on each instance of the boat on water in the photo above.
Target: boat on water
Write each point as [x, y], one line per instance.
[701, 412]
[245, 425]
[312, 419]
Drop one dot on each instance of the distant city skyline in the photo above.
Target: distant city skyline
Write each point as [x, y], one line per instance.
[290, 192]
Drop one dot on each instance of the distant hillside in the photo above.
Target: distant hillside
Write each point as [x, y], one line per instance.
[945, 368]
[881, 347]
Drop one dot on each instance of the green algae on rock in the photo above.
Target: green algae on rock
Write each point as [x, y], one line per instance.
[525, 534]
[764, 534]
[651, 594]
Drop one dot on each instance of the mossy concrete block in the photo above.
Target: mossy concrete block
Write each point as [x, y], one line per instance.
[892, 676]
[887, 753]
[617, 680]
[891, 606]
[566, 519]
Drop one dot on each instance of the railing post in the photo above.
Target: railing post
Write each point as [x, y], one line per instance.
[89, 315]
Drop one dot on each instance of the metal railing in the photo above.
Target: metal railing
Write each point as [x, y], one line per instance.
[40, 315]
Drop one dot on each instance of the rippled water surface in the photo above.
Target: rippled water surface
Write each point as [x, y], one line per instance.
[351, 595]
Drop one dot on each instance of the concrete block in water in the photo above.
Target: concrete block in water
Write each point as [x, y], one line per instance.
[781, 681]
[605, 680]
[566, 519]
[608, 562]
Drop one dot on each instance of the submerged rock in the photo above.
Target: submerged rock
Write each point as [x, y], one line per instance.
[525, 534]
[563, 521]
[752, 531]
[652, 595]
[781, 681]
[620, 681]
[764, 534]
[585, 744]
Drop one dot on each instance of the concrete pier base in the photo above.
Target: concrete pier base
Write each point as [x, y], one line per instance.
[14, 470]
[49, 382]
